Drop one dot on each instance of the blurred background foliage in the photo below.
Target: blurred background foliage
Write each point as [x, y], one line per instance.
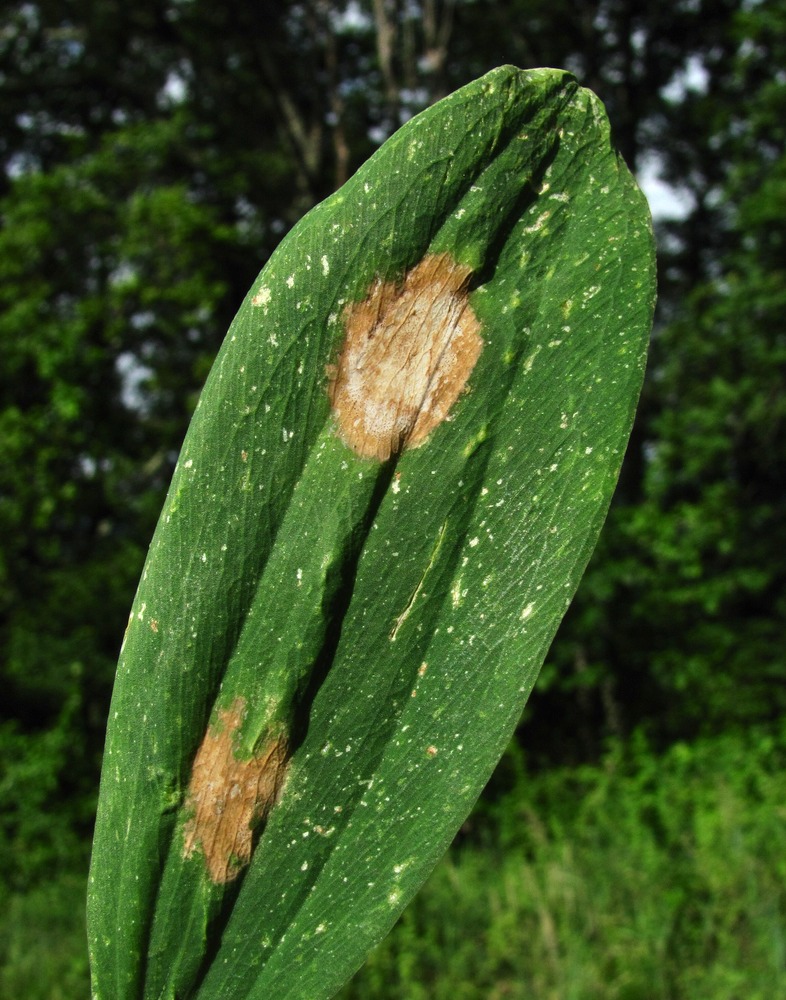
[152, 155]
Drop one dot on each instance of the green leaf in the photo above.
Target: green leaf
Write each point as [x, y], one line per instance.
[388, 493]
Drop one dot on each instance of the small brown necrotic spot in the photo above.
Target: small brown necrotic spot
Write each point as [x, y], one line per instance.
[227, 797]
[408, 352]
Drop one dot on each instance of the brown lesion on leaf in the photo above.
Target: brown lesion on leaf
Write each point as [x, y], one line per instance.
[408, 352]
[228, 797]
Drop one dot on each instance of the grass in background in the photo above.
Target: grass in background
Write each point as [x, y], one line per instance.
[647, 878]
[43, 950]
[644, 878]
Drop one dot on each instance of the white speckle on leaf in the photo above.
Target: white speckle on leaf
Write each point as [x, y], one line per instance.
[325, 265]
[539, 223]
[291, 281]
[526, 612]
[262, 298]
[531, 359]
[473, 542]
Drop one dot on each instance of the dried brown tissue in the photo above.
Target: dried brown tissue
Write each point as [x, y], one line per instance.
[228, 797]
[409, 349]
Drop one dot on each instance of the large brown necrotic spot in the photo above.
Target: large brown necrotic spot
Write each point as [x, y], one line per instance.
[408, 352]
[227, 797]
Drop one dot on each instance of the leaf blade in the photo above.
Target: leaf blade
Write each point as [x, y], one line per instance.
[480, 542]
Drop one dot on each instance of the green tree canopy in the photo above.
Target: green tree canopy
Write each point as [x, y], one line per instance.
[153, 155]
